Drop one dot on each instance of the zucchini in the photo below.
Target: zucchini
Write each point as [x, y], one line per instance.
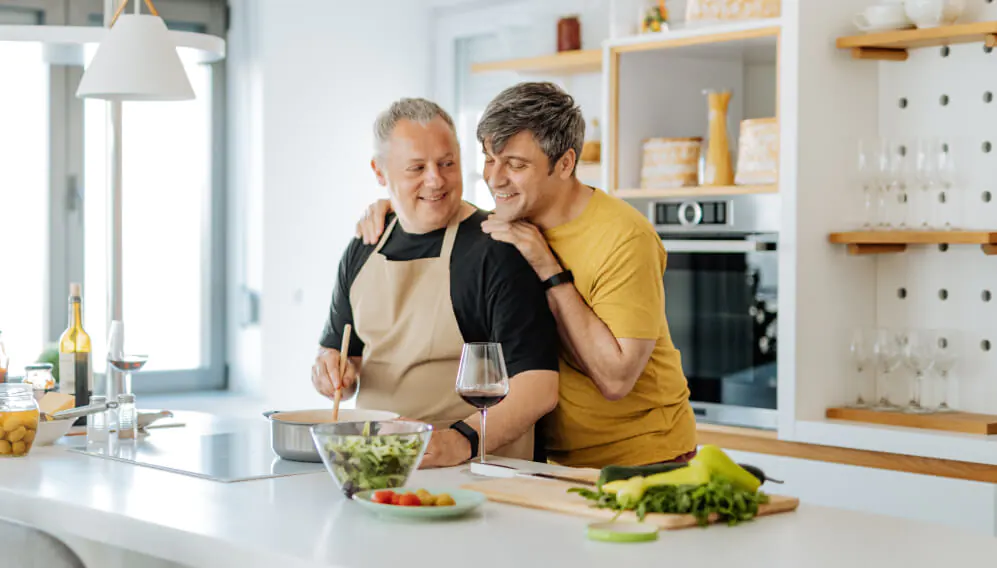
[620, 472]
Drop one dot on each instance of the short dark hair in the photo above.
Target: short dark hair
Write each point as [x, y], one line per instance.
[543, 109]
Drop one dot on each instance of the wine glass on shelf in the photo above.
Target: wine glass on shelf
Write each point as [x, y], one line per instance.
[919, 356]
[868, 180]
[482, 381]
[861, 350]
[948, 343]
[881, 155]
[926, 176]
[887, 354]
[897, 174]
[949, 191]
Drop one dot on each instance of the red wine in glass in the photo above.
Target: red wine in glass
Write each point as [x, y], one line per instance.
[482, 399]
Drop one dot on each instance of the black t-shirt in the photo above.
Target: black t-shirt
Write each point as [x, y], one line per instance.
[496, 295]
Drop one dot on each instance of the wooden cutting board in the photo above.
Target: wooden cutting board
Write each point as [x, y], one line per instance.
[554, 496]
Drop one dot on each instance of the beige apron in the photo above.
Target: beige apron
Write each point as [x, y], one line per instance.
[403, 312]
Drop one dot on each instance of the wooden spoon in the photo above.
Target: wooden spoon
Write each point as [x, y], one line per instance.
[344, 360]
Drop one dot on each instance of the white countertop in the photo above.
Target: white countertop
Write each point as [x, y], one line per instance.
[303, 521]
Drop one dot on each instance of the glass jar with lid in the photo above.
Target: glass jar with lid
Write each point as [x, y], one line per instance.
[39, 376]
[18, 419]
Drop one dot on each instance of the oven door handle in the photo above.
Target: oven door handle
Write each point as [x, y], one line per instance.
[717, 246]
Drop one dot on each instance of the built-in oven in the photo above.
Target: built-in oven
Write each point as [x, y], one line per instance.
[721, 301]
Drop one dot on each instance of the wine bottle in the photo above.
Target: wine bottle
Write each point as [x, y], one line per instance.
[75, 367]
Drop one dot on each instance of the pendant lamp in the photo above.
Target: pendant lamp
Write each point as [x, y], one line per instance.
[136, 61]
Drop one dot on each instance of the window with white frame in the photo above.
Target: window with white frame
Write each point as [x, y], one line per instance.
[173, 265]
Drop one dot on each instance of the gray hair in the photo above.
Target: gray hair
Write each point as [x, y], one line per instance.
[543, 109]
[415, 109]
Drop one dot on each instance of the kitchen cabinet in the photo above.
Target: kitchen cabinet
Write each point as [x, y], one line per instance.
[967, 505]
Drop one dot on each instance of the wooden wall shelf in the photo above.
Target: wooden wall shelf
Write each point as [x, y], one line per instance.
[762, 442]
[695, 191]
[965, 422]
[879, 242]
[893, 45]
[563, 63]
[734, 34]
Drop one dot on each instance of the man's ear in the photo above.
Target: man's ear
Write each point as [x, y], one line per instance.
[566, 164]
[381, 179]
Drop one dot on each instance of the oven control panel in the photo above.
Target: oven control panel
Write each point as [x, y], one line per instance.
[689, 213]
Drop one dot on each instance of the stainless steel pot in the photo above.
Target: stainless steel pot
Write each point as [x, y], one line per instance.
[290, 432]
[292, 440]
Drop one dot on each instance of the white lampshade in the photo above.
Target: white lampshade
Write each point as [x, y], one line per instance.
[136, 61]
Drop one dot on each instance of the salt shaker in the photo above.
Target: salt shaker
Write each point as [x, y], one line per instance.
[127, 417]
[97, 424]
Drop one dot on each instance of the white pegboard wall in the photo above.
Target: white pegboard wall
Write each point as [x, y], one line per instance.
[950, 93]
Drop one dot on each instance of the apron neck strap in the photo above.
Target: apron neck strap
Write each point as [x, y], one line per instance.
[449, 237]
[387, 233]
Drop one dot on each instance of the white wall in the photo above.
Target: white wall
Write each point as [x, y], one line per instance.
[306, 79]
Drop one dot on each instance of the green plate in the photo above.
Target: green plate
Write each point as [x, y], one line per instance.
[466, 501]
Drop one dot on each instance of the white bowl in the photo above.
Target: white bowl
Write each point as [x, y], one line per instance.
[50, 431]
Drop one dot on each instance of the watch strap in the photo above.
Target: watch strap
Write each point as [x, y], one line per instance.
[565, 277]
[470, 433]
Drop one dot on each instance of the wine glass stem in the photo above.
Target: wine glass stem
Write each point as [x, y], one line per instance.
[483, 448]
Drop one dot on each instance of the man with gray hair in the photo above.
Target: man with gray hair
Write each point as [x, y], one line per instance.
[623, 398]
[433, 282]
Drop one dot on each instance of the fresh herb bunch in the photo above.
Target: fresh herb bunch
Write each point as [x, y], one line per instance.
[719, 496]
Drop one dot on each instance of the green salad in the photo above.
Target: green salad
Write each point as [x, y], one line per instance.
[373, 462]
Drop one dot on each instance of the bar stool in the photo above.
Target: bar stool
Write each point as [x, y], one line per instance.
[25, 546]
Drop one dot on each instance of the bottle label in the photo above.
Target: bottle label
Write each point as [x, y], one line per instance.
[76, 378]
[67, 373]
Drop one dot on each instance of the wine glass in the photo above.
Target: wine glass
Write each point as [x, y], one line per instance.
[919, 356]
[896, 178]
[482, 381]
[887, 354]
[949, 190]
[868, 180]
[929, 160]
[861, 349]
[128, 364]
[948, 342]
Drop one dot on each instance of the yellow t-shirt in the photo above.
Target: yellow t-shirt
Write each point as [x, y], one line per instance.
[618, 264]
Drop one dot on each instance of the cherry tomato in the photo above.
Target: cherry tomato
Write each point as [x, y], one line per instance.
[410, 500]
[383, 497]
[396, 499]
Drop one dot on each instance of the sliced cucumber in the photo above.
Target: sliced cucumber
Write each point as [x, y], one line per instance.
[622, 532]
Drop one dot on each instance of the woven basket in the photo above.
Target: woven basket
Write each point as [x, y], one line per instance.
[719, 10]
[758, 152]
[670, 162]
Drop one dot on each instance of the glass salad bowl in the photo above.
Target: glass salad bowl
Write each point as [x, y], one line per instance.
[371, 455]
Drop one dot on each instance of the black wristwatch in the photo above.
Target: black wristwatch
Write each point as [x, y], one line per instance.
[558, 279]
[470, 433]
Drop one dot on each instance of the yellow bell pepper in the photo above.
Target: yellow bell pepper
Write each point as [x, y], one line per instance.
[719, 463]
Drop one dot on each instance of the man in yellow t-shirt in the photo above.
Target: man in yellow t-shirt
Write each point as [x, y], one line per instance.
[623, 398]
